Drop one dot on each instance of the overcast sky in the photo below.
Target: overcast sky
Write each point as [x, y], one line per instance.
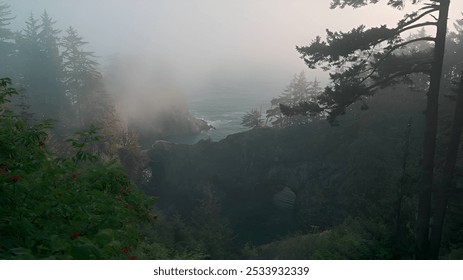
[197, 37]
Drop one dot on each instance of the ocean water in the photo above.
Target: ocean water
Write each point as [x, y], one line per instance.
[223, 107]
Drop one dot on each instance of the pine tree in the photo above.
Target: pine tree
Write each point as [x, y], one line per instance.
[52, 68]
[6, 40]
[364, 60]
[297, 92]
[252, 119]
[29, 62]
[31, 32]
[5, 20]
[84, 86]
[49, 36]
[80, 76]
[40, 68]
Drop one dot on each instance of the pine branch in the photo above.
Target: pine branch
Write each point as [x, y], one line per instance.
[423, 24]
[390, 51]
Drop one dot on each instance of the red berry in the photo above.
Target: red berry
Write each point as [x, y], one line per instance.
[126, 249]
[75, 235]
[128, 207]
[3, 171]
[132, 257]
[14, 178]
[73, 175]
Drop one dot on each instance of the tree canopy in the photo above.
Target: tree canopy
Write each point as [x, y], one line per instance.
[6, 38]
[252, 119]
[299, 91]
[365, 60]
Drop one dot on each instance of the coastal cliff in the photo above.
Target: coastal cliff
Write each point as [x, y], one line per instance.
[270, 182]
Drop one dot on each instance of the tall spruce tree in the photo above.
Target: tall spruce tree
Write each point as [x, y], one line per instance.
[252, 119]
[85, 87]
[29, 61]
[80, 76]
[5, 20]
[52, 67]
[6, 40]
[40, 67]
[364, 60]
[298, 91]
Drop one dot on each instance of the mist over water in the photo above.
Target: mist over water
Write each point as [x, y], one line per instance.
[144, 87]
[194, 129]
[217, 59]
[224, 110]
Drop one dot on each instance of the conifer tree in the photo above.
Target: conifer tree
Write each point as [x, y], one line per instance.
[85, 88]
[52, 67]
[252, 119]
[40, 68]
[29, 61]
[299, 91]
[80, 76]
[364, 60]
[6, 40]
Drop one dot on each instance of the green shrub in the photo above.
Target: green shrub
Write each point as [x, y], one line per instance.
[79, 207]
[353, 239]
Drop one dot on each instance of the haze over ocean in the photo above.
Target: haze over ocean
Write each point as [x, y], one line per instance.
[223, 106]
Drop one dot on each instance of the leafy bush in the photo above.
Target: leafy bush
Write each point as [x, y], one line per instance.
[79, 207]
[252, 119]
[171, 239]
[353, 239]
[206, 234]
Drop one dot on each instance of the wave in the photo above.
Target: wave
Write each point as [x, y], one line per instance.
[219, 123]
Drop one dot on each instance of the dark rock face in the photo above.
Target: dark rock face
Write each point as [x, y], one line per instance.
[166, 124]
[149, 102]
[241, 170]
[273, 181]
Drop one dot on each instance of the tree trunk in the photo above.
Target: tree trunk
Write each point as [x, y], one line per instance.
[449, 169]
[424, 203]
[400, 226]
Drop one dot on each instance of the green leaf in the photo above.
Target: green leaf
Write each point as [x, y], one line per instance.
[22, 253]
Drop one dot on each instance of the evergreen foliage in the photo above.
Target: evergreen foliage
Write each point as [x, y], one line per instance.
[354, 239]
[351, 194]
[5, 20]
[252, 119]
[365, 60]
[40, 68]
[299, 92]
[6, 40]
[80, 78]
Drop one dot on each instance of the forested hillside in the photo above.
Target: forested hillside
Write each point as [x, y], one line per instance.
[365, 166]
